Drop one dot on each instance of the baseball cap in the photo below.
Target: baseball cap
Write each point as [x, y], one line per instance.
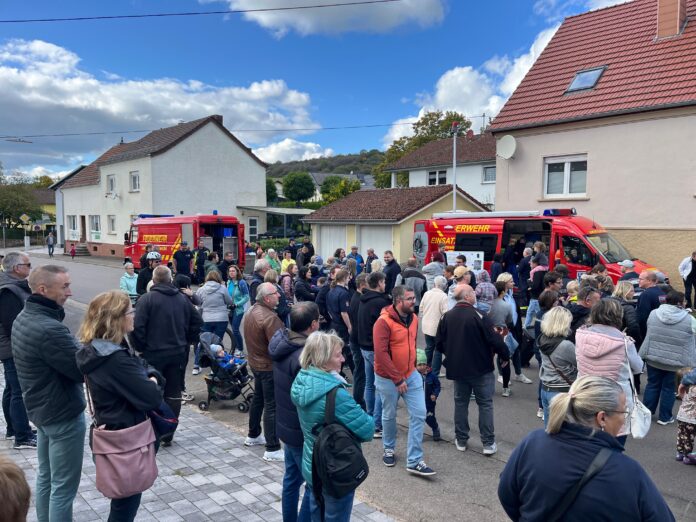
[184, 243]
[460, 271]
[627, 263]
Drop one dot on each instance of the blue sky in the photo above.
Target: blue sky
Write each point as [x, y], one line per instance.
[358, 65]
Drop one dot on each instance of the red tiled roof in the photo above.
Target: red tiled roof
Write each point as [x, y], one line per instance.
[479, 148]
[44, 196]
[390, 205]
[90, 174]
[642, 73]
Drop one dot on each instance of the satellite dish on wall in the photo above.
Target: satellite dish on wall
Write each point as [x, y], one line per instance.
[506, 147]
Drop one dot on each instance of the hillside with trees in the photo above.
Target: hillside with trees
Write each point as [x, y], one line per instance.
[340, 164]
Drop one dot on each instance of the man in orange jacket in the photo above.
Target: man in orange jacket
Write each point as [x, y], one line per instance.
[394, 336]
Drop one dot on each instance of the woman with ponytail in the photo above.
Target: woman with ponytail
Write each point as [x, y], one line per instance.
[547, 465]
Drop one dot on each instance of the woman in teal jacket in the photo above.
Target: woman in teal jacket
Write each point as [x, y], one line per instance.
[321, 362]
[128, 282]
[239, 292]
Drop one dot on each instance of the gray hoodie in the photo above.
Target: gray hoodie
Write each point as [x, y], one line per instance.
[669, 342]
[215, 300]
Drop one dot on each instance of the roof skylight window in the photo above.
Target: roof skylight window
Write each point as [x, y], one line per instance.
[586, 79]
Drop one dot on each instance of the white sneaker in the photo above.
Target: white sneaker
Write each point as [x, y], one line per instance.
[500, 379]
[490, 450]
[540, 413]
[256, 441]
[522, 378]
[506, 392]
[274, 456]
[195, 370]
[460, 447]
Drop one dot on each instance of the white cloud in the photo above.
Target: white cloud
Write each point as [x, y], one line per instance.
[377, 18]
[400, 129]
[521, 65]
[292, 150]
[555, 10]
[45, 91]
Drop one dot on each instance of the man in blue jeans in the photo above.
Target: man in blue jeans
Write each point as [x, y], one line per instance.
[468, 341]
[285, 348]
[14, 291]
[44, 354]
[394, 336]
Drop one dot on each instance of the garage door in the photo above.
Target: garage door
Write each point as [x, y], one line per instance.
[378, 237]
[331, 237]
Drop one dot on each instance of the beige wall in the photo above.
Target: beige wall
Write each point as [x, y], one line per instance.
[641, 170]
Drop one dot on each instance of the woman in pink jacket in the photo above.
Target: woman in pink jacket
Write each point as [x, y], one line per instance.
[602, 349]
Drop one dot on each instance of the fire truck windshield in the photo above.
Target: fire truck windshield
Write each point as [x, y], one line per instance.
[609, 247]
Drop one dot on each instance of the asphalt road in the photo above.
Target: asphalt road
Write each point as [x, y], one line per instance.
[465, 487]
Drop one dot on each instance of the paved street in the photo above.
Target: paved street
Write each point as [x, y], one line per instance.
[466, 485]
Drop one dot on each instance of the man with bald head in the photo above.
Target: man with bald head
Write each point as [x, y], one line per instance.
[468, 342]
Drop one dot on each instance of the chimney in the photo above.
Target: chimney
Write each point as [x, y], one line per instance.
[671, 17]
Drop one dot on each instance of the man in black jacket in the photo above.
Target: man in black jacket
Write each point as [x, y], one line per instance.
[650, 298]
[358, 361]
[44, 354]
[145, 275]
[391, 270]
[14, 291]
[523, 270]
[468, 341]
[225, 265]
[587, 298]
[372, 301]
[285, 348]
[166, 323]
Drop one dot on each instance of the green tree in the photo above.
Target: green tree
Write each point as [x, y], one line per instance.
[340, 190]
[435, 125]
[271, 191]
[298, 186]
[17, 199]
[329, 184]
[43, 181]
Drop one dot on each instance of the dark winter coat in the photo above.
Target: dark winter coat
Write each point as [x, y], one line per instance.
[321, 301]
[537, 286]
[650, 299]
[303, 291]
[523, 270]
[285, 348]
[371, 304]
[256, 280]
[44, 354]
[468, 341]
[391, 270]
[630, 321]
[13, 294]
[165, 323]
[580, 315]
[144, 277]
[543, 468]
[119, 384]
[496, 270]
[353, 314]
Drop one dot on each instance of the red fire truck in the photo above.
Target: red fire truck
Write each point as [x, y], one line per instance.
[219, 234]
[576, 241]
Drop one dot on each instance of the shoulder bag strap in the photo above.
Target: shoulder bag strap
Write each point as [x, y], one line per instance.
[566, 379]
[595, 467]
[90, 404]
[630, 371]
[330, 407]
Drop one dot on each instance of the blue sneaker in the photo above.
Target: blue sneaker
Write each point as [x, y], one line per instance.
[388, 458]
[421, 469]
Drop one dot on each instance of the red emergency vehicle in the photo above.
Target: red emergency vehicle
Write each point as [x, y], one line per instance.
[219, 234]
[576, 241]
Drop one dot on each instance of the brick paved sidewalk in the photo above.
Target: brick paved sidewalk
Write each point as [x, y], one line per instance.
[207, 474]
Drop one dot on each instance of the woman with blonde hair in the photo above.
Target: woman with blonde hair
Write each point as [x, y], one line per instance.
[321, 361]
[539, 481]
[376, 266]
[122, 390]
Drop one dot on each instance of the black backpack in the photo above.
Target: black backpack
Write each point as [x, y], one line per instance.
[338, 464]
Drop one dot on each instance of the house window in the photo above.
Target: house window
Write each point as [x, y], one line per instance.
[135, 181]
[253, 228]
[111, 224]
[95, 228]
[565, 177]
[488, 174]
[437, 177]
[72, 222]
[586, 79]
[111, 183]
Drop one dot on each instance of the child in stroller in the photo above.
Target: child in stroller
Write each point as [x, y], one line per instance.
[229, 376]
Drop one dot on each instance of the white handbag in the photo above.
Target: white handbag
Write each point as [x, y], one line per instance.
[641, 417]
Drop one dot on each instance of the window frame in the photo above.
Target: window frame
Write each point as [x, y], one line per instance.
[111, 224]
[110, 183]
[566, 161]
[72, 220]
[440, 177]
[578, 74]
[133, 175]
[483, 174]
[253, 237]
[94, 223]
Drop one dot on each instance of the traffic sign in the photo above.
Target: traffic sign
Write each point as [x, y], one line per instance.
[25, 219]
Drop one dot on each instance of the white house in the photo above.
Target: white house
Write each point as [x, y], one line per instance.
[194, 167]
[431, 165]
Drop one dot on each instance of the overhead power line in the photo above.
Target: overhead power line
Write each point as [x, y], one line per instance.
[195, 13]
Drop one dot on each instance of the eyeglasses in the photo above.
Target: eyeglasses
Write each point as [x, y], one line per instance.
[28, 265]
[625, 413]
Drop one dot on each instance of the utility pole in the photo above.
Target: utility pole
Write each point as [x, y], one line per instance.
[455, 129]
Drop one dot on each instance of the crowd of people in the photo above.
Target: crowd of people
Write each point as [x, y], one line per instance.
[347, 328]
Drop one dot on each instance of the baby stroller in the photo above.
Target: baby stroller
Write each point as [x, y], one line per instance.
[229, 378]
